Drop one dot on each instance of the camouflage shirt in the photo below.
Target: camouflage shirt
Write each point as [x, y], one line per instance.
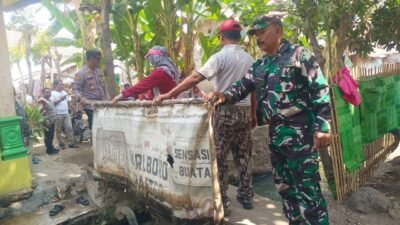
[290, 89]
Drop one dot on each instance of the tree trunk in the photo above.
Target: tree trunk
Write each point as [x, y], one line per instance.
[42, 72]
[312, 37]
[340, 43]
[169, 14]
[28, 43]
[57, 61]
[50, 63]
[188, 65]
[22, 84]
[310, 33]
[128, 73]
[109, 70]
[139, 61]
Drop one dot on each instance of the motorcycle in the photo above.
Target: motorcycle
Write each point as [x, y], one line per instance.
[80, 131]
[78, 127]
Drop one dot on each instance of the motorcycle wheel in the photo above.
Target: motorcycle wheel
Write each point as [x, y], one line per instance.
[78, 132]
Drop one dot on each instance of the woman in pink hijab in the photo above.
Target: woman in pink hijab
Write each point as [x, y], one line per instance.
[161, 80]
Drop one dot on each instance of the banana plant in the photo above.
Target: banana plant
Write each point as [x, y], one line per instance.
[78, 25]
[132, 33]
[193, 13]
[166, 23]
[35, 122]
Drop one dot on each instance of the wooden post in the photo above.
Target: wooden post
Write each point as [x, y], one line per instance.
[7, 107]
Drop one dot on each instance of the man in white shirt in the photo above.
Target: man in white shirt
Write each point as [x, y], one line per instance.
[60, 99]
[231, 124]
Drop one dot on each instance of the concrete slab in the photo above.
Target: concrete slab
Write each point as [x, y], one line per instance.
[265, 211]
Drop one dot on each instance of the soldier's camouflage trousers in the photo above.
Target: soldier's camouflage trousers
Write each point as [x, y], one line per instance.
[296, 176]
[232, 133]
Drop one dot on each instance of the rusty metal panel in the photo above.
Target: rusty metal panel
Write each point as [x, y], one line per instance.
[135, 142]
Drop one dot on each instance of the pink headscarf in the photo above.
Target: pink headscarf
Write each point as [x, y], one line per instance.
[158, 57]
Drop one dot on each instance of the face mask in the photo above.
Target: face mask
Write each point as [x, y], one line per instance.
[154, 61]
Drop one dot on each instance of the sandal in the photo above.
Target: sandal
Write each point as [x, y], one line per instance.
[56, 209]
[35, 160]
[82, 201]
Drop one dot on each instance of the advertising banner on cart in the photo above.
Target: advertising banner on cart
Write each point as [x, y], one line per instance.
[164, 151]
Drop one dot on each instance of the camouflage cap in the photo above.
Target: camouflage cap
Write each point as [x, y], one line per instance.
[262, 22]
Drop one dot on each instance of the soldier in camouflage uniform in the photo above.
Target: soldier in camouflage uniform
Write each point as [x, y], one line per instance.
[292, 95]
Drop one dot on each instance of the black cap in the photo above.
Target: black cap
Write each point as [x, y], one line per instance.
[93, 53]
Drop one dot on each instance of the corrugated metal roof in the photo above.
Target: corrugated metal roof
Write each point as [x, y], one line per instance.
[13, 38]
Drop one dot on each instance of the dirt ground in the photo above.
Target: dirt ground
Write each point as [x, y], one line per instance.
[72, 162]
[386, 179]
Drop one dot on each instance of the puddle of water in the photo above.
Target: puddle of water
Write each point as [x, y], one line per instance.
[264, 186]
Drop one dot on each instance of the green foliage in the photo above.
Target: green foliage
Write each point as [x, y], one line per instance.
[249, 10]
[128, 19]
[137, 25]
[209, 44]
[41, 48]
[66, 42]
[16, 54]
[65, 20]
[343, 25]
[35, 121]
[386, 25]
[304, 42]
[75, 59]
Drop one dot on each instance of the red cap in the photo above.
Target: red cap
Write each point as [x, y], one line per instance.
[231, 25]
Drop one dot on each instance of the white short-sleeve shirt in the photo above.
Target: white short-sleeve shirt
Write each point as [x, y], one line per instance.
[226, 67]
[62, 107]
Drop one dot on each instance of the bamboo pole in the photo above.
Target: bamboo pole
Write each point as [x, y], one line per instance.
[218, 206]
[337, 160]
[375, 152]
